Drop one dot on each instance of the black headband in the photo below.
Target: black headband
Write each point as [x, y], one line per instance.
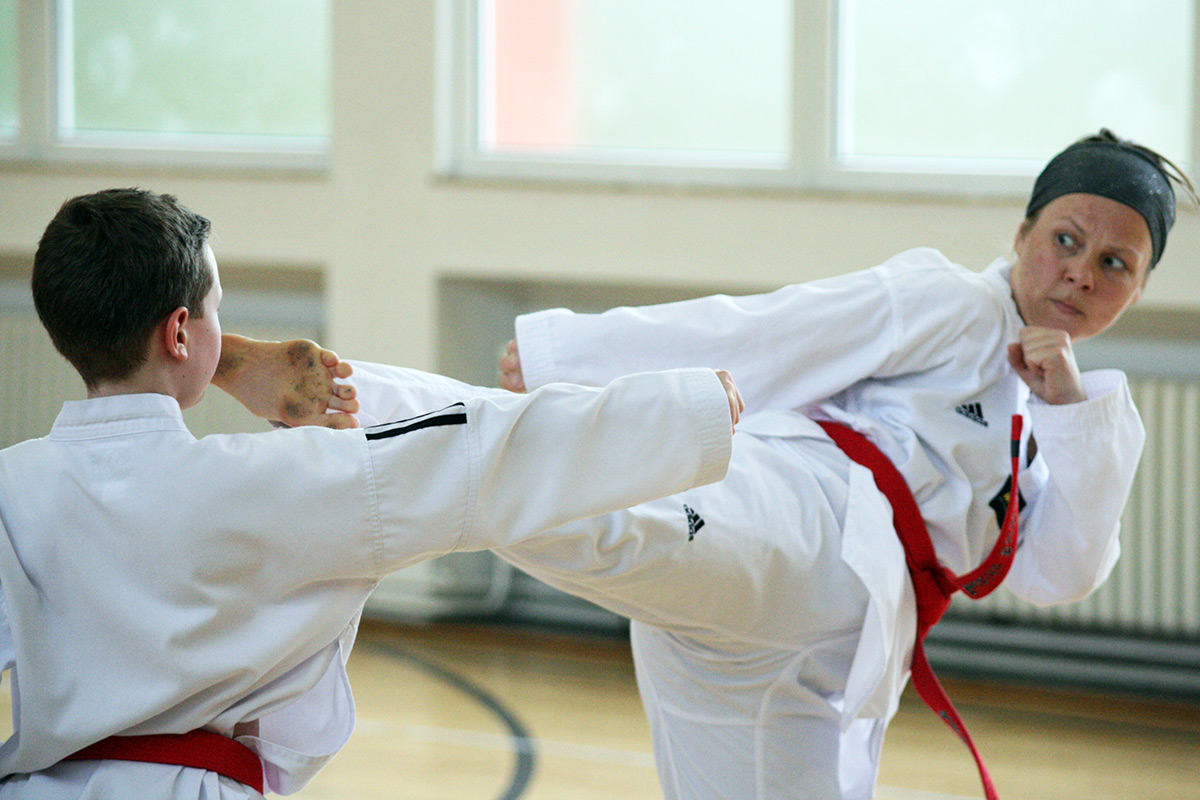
[1115, 170]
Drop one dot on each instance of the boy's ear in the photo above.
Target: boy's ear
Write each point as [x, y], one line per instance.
[173, 334]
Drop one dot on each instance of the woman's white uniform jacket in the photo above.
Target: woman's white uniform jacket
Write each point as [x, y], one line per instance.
[912, 353]
[158, 583]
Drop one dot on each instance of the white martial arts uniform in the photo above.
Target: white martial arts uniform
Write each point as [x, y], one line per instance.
[773, 616]
[156, 583]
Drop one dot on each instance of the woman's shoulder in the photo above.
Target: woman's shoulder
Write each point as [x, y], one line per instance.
[924, 261]
[925, 269]
[925, 284]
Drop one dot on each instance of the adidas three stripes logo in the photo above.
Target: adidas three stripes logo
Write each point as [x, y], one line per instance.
[973, 412]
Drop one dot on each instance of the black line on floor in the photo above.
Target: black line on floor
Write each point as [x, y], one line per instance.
[523, 744]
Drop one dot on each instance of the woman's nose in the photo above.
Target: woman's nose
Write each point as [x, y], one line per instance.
[1079, 272]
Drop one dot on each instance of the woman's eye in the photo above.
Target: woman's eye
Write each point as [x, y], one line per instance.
[1114, 263]
[1065, 239]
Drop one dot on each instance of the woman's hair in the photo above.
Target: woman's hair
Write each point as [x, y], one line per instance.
[1169, 168]
[109, 268]
[1104, 164]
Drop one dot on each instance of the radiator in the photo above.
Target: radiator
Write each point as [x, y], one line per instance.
[36, 379]
[1155, 588]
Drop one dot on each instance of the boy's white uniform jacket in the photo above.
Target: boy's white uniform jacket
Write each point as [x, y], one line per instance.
[912, 353]
[157, 583]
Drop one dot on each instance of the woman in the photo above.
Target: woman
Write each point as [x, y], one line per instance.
[929, 361]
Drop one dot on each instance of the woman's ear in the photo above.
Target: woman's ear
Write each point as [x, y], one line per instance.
[173, 334]
[1022, 232]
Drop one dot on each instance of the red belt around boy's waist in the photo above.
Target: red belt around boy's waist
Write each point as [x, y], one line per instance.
[933, 583]
[199, 749]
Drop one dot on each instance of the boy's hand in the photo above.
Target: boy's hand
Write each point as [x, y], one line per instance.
[294, 382]
[736, 404]
[511, 377]
[1044, 360]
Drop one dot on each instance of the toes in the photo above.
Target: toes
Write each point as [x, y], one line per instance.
[349, 406]
[339, 421]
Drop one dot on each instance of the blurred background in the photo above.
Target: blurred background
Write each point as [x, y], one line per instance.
[399, 178]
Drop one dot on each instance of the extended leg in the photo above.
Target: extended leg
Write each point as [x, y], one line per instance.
[754, 558]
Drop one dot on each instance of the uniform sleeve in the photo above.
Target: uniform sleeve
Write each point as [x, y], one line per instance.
[787, 348]
[1077, 487]
[387, 393]
[505, 466]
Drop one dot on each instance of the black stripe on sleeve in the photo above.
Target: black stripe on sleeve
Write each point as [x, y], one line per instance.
[450, 415]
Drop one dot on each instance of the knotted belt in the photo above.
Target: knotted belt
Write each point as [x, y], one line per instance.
[199, 749]
[933, 583]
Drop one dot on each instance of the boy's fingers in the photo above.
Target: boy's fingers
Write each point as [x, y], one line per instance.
[510, 363]
[511, 377]
[736, 404]
[511, 382]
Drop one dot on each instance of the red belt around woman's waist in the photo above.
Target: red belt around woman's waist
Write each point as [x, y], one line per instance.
[933, 583]
[199, 749]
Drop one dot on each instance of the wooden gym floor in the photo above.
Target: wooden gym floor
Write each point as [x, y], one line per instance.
[476, 712]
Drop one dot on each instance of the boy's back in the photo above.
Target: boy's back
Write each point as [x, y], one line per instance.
[149, 572]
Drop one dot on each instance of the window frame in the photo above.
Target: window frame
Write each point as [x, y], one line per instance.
[812, 167]
[43, 35]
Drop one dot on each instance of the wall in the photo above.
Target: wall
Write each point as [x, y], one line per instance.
[382, 226]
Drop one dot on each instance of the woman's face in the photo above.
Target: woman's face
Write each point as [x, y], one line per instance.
[1080, 264]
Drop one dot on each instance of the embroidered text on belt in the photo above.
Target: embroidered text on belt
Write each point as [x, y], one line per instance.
[200, 749]
[932, 582]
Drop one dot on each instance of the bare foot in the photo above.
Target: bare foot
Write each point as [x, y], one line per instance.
[288, 382]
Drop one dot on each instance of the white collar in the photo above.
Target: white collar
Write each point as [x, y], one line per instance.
[118, 414]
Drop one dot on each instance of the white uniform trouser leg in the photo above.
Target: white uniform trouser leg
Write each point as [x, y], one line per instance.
[747, 621]
[768, 730]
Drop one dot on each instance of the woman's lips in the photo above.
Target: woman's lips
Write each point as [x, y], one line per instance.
[1066, 308]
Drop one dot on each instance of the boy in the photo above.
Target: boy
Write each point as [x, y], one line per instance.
[177, 612]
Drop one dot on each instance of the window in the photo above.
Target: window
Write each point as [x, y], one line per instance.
[929, 80]
[176, 81]
[682, 80]
[933, 95]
